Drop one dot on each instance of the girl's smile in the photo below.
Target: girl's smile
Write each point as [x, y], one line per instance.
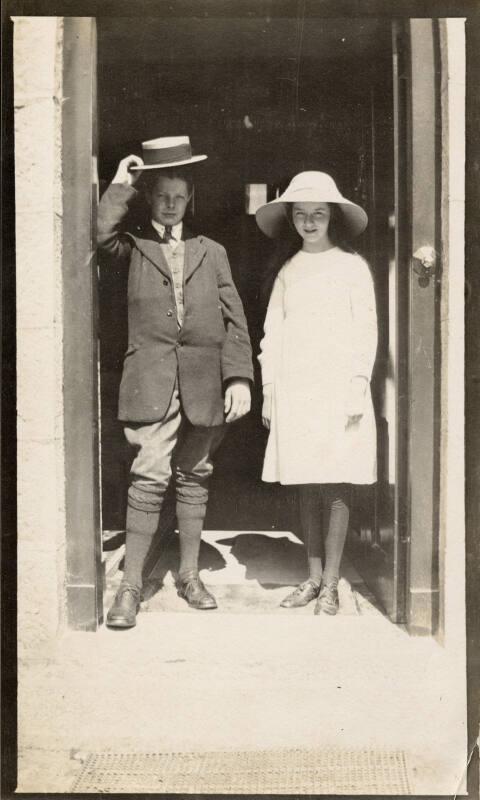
[311, 223]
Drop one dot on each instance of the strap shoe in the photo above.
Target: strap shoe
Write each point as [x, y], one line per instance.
[124, 610]
[327, 602]
[192, 589]
[302, 595]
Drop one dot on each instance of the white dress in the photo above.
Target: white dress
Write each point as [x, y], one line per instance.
[320, 332]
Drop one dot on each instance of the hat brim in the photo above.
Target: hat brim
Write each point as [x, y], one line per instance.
[146, 167]
[272, 218]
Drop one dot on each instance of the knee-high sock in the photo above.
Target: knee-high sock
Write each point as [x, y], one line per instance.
[337, 500]
[310, 517]
[190, 519]
[141, 527]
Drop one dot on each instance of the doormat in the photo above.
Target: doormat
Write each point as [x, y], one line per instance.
[363, 772]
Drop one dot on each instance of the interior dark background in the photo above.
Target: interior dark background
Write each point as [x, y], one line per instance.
[264, 98]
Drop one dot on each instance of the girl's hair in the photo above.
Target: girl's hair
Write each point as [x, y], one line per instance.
[337, 231]
[291, 243]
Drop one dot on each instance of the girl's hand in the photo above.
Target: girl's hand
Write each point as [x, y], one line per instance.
[123, 174]
[237, 399]
[356, 399]
[267, 405]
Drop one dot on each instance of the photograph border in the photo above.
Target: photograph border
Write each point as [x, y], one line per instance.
[323, 8]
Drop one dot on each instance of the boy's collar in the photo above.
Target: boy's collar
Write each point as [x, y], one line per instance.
[148, 231]
[176, 230]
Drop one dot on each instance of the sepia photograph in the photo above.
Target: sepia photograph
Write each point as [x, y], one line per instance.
[252, 226]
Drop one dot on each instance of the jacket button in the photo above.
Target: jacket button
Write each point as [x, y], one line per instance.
[165, 282]
[169, 313]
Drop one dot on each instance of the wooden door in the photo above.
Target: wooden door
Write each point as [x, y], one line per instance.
[424, 271]
[399, 560]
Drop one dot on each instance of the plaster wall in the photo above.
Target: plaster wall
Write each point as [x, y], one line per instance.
[452, 475]
[452, 334]
[41, 505]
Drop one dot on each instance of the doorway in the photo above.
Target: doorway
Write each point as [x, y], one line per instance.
[270, 97]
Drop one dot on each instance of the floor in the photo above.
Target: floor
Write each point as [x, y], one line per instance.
[247, 571]
[247, 677]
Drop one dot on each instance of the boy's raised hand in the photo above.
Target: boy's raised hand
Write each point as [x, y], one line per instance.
[123, 174]
[237, 399]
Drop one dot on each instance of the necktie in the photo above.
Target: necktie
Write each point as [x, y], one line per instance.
[167, 237]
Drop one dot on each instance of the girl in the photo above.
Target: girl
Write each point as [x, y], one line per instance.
[317, 358]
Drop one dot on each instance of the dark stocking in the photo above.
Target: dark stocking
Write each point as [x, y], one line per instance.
[337, 500]
[141, 528]
[310, 517]
[190, 523]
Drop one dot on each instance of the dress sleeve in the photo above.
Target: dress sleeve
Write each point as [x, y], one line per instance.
[364, 316]
[271, 344]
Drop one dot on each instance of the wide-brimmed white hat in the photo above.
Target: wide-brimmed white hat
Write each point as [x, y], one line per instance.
[309, 187]
[167, 151]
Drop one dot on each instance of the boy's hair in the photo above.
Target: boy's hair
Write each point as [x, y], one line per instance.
[150, 177]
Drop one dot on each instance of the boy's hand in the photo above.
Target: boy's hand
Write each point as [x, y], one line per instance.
[267, 405]
[356, 399]
[237, 399]
[123, 175]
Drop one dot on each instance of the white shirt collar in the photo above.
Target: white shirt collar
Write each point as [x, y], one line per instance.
[176, 232]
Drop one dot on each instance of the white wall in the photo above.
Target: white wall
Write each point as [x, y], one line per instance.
[41, 518]
[452, 478]
[452, 473]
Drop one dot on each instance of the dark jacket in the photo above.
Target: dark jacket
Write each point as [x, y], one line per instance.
[213, 345]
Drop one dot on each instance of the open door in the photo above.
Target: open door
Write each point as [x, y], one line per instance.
[400, 557]
[423, 268]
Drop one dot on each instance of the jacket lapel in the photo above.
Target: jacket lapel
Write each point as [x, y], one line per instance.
[194, 252]
[149, 246]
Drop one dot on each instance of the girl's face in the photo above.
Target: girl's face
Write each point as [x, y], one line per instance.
[311, 223]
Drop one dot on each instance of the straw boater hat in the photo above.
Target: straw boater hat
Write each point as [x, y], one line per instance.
[167, 151]
[309, 187]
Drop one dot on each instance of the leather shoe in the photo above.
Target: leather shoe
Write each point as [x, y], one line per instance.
[125, 607]
[192, 589]
[302, 595]
[327, 602]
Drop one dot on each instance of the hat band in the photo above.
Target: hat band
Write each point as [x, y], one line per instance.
[167, 155]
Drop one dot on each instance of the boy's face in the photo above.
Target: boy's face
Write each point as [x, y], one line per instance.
[168, 200]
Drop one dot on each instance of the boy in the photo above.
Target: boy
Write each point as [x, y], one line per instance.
[188, 365]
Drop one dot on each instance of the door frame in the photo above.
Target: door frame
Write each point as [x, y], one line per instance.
[85, 580]
[84, 574]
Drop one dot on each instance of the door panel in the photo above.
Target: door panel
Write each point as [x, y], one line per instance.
[423, 455]
[378, 546]
[399, 557]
